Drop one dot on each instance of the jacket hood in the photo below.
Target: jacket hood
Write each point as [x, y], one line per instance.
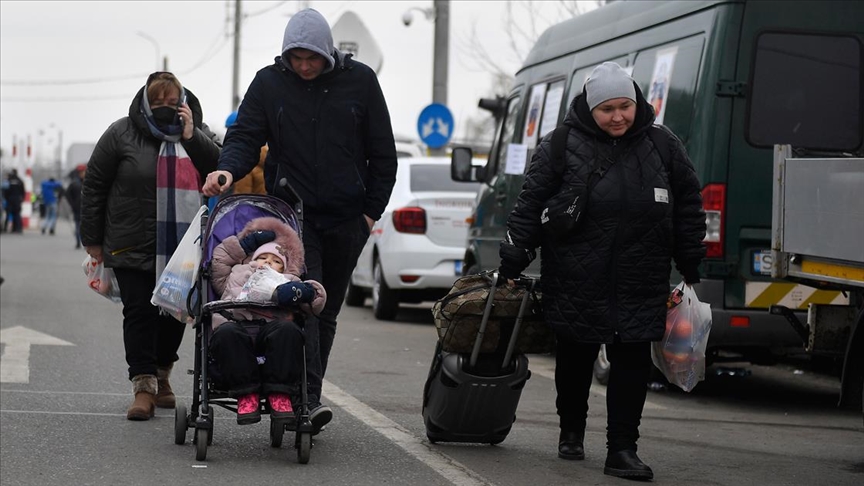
[136, 109]
[290, 246]
[579, 116]
[308, 29]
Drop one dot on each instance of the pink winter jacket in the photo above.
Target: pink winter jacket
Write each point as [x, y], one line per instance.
[231, 268]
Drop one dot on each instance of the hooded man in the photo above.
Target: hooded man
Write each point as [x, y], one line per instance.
[327, 126]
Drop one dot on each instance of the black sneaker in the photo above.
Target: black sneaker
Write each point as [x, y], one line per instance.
[320, 415]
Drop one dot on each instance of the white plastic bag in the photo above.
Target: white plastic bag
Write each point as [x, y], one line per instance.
[180, 273]
[261, 284]
[101, 279]
[680, 355]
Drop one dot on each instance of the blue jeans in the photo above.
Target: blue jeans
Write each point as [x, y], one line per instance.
[331, 255]
[50, 221]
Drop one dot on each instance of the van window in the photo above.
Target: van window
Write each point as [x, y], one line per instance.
[806, 92]
[667, 75]
[508, 130]
[544, 106]
[436, 177]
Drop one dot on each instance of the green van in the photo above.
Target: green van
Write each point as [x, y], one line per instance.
[694, 61]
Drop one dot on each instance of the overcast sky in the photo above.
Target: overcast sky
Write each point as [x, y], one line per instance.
[51, 52]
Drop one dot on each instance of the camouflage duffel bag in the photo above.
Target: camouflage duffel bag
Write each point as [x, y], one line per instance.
[459, 313]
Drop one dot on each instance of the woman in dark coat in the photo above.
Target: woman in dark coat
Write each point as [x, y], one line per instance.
[607, 283]
[141, 192]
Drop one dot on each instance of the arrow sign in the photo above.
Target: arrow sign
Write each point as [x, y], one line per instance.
[435, 125]
[15, 362]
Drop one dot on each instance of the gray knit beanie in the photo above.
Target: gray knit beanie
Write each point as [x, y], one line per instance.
[607, 82]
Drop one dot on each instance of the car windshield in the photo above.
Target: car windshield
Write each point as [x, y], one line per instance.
[429, 177]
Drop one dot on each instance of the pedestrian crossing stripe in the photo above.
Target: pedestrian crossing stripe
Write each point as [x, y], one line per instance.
[795, 296]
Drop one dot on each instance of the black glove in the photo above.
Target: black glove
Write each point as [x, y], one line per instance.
[293, 293]
[691, 275]
[253, 241]
[513, 260]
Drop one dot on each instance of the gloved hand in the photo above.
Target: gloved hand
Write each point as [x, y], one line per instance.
[691, 275]
[513, 260]
[253, 241]
[294, 293]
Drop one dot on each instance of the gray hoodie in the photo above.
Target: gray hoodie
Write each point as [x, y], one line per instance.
[308, 29]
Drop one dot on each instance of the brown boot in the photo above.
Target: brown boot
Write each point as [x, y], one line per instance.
[144, 406]
[165, 396]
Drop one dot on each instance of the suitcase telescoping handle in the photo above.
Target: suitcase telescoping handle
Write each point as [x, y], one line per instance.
[496, 279]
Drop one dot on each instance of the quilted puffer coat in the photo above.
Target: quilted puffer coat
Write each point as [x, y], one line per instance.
[118, 199]
[612, 277]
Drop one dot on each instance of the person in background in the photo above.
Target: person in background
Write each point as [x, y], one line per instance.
[52, 190]
[141, 192]
[14, 195]
[73, 197]
[608, 281]
[325, 120]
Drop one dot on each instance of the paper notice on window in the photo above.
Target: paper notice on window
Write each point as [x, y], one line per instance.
[551, 107]
[517, 155]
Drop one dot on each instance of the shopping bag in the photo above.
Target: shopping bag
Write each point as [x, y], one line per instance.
[180, 274]
[680, 355]
[102, 280]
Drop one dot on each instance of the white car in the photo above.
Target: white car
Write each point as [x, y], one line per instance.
[415, 251]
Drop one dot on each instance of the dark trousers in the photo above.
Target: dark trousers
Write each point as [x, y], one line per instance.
[625, 394]
[235, 352]
[151, 339]
[331, 255]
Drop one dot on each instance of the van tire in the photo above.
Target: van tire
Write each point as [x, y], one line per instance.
[385, 301]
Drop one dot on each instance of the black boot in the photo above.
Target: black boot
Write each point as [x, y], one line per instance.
[626, 464]
[570, 445]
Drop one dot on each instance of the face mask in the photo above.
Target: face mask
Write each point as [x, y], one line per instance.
[164, 115]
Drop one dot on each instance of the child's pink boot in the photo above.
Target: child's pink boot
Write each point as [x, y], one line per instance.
[248, 411]
[280, 406]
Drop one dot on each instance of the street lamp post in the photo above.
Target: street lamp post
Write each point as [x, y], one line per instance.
[440, 14]
[159, 57]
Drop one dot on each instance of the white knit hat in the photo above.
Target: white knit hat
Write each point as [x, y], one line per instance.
[607, 82]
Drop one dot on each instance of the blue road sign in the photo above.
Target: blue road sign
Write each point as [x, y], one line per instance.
[435, 125]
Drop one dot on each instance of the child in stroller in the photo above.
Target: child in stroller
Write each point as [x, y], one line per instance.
[269, 361]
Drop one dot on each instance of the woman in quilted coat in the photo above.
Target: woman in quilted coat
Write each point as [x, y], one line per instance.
[607, 281]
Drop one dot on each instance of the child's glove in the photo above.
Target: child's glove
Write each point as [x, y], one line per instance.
[253, 241]
[293, 293]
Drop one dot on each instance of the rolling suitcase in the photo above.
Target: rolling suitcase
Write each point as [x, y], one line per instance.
[472, 397]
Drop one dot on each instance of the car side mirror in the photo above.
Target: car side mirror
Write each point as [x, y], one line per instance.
[461, 169]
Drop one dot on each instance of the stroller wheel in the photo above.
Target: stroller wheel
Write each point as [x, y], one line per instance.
[201, 438]
[304, 447]
[180, 424]
[277, 430]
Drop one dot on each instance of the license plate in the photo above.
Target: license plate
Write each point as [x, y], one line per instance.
[762, 262]
[458, 267]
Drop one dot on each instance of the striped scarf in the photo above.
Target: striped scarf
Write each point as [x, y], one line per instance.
[178, 198]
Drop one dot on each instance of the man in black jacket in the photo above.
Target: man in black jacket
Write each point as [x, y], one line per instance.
[326, 122]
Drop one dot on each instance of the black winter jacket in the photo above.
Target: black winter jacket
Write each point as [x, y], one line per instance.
[612, 278]
[330, 138]
[118, 206]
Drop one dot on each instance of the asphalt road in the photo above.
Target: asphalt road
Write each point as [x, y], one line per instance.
[66, 424]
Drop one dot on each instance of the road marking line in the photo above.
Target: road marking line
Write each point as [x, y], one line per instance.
[453, 471]
[545, 367]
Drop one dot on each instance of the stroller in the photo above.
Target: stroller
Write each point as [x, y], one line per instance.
[228, 217]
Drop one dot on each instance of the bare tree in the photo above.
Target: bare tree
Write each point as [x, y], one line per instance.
[523, 23]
